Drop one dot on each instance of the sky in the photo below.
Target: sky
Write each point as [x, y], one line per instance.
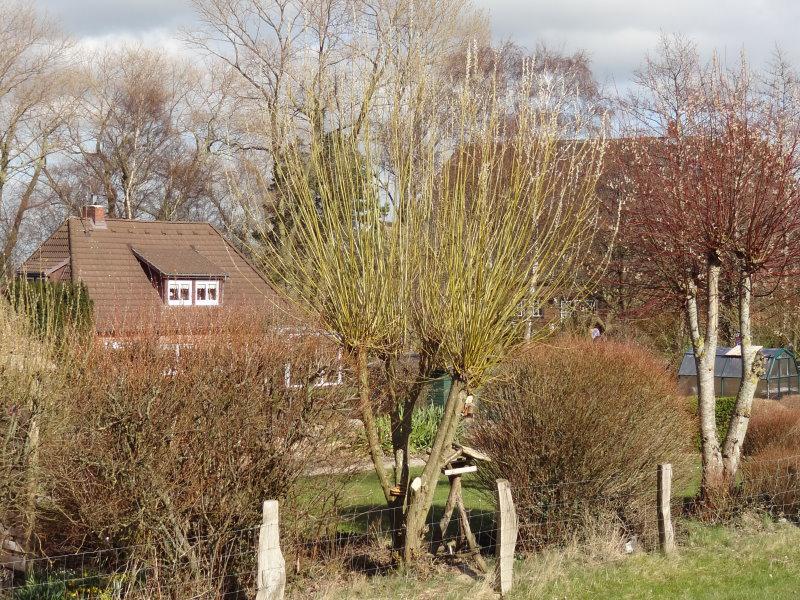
[615, 33]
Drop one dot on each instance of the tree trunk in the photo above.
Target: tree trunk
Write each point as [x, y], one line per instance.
[24, 204]
[401, 420]
[705, 353]
[370, 426]
[420, 503]
[752, 370]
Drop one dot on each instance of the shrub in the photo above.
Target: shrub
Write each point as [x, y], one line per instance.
[722, 416]
[578, 429]
[771, 425]
[168, 456]
[771, 467]
[31, 385]
[51, 306]
[771, 481]
[424, 424]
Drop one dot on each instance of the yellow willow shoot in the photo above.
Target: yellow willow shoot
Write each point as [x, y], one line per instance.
[514, 204]
[507, 221]
[342, 259]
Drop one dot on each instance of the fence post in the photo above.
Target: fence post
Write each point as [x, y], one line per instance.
[666, 534]
[271, 574]
[507, 527]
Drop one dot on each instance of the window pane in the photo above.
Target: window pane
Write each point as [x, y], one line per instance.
[173, 291]
[200, 292]
[185, 291]
[212, 291]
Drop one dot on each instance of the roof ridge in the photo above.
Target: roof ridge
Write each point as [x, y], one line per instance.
[154, 222]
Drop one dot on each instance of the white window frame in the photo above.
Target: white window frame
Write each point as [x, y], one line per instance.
[182, 284]
[325, 378]
[322, 379]
[207, 284]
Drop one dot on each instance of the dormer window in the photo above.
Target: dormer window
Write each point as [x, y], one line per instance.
[188, 292]
[184, 277]
[179, 293]
[206, 293]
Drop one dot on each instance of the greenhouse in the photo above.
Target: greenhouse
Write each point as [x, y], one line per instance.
[780, 377]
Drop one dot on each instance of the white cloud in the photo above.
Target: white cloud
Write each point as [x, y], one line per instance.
[165, 40]
[616, 33]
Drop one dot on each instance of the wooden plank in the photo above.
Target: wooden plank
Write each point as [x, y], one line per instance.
[508, 527]
[456, 454]
[271, 573]
[461, 470]
[666, 533]
[474, 454]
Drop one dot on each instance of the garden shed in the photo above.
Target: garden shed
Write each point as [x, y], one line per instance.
[780, 375]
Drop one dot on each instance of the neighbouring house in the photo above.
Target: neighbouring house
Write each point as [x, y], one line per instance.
[781, 376]
[151, 272]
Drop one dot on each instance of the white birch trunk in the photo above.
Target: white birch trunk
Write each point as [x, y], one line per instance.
[705, 353]
[752, 370]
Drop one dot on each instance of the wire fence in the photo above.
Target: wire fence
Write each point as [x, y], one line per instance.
[225, 564]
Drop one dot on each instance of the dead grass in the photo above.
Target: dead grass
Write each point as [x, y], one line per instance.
[751, 557]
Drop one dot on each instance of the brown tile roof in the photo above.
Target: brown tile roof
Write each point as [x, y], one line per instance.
[179, 262]
[51, 254]
[119, 284]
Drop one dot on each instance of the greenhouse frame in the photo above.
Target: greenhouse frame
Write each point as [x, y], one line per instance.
[781, 376]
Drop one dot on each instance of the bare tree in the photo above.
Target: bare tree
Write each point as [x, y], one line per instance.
[34, 101]
[142, 137]
[716, 206]
[304, 66]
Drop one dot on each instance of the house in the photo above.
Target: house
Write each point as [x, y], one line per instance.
[150, 272]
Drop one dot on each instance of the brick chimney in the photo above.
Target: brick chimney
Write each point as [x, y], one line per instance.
[95, 214]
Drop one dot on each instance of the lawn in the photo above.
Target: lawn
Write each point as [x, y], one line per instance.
[362, 499]
[363, 490]
[757, 559]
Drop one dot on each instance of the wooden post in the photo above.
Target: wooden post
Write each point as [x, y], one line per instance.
[507, 527]
[666, 534]
[271, 574]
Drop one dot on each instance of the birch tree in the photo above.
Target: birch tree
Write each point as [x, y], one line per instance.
[716, 205]
[140, 137]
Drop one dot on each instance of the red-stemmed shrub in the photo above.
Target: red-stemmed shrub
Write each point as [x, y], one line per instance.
[771, 468]
[169, 451]
[578, 427]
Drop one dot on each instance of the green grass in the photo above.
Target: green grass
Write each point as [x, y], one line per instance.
[714, 562]
[362, 495]
[758, 560]
[363, 490]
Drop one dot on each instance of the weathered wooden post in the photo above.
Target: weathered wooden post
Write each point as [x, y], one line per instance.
[666, 534]
[507, 528]
[271, 574]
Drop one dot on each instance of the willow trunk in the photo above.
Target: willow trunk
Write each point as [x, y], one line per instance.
[420, 501]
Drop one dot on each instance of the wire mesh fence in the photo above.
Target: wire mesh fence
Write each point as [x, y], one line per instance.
[224, 564]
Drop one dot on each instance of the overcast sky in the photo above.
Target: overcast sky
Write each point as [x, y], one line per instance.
[616, 33]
